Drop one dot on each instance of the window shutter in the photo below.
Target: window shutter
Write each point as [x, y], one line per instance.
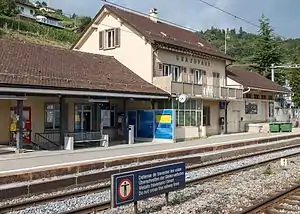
[101, 40]
[117, 37]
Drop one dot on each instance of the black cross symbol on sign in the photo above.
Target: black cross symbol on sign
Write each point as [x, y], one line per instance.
[125, 189]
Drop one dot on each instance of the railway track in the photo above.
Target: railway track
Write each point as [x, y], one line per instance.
[106, 204]
[284, 202]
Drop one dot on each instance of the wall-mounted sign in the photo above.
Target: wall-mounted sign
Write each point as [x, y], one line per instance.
[193, 60]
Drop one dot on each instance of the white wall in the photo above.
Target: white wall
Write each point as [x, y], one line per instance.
[134, 52]
[26, 11]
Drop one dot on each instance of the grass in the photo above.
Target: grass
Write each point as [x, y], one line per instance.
[31, 37]
[268, 170]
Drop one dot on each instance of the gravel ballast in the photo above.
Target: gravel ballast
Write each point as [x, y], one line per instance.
[219, 196]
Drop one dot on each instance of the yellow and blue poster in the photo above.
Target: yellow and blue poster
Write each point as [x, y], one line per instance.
[153, 124]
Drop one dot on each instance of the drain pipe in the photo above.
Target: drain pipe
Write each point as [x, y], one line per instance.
[227, 102]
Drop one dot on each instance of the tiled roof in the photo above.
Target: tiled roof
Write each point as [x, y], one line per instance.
[253, 79]
[28, 64]
[164, 33]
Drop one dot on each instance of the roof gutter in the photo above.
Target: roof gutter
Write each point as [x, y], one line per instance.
[247, 91]
[79, 93]
[262, 89]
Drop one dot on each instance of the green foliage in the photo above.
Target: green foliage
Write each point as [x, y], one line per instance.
[268, 170]
[40, 30]
[1, 33]
[259, 51]
[267, 48]
[8, 8]
[294, 75]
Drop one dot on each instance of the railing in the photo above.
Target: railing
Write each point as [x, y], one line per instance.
[48, 140]
[207, 91]
[80, 137]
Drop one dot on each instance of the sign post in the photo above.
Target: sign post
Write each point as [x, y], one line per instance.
[131, 187]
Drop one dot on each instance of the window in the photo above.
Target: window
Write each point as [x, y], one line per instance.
[109, 38]
[250, 108]
[108, 116]
[31, 12]
[256, 96]
[271, 109]
[270, 97]
[22, 9]
[263, 97]
[206, 116]
[248, 96]
[188, 113]
[52, 117]
[173, 70]
[197, 76]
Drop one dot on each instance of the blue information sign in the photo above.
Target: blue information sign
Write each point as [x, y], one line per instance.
[141, 184]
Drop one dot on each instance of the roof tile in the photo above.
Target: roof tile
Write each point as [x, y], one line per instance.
[253, 79]
[43, 66]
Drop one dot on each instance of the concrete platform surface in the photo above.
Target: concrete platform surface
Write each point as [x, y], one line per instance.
[36, 160]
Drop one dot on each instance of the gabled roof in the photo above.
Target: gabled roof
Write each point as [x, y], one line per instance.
[40, 66]
[252, 79]
[28, 4]
[162, 32]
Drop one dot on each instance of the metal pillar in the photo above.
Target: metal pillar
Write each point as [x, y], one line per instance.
[20, 125]
[62, 121]
[125, 121]
[272, 72]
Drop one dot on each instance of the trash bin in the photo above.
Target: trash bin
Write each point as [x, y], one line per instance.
[274, 127]
[286, 127]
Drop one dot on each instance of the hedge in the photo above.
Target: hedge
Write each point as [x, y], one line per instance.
[50, 33]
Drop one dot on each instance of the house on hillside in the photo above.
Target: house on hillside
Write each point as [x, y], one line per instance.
[176, 60]
[27, 10]
[49, 21]
[59, 93]
[259, 106]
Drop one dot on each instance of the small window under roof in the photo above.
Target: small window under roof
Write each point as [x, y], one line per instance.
[164, 34]
[201, 44]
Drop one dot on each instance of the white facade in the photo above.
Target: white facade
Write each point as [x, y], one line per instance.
[26, 10]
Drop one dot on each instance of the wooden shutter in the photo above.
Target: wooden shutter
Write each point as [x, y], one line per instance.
[117, 37]
[101, 40]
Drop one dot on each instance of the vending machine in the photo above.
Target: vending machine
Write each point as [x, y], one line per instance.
[14, 125]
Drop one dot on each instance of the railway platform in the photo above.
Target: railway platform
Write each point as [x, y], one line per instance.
[39, 161]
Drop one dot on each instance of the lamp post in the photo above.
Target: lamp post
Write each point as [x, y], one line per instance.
[225, 39]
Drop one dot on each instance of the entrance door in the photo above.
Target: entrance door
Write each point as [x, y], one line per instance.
[83, 118]
[86, 121]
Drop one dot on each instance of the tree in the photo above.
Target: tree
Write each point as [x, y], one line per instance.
[294, 76]
[8, 7]
[267, 49]
[44, 4]
[38, 4]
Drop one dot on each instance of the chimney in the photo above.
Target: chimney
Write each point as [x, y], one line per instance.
[153, 15]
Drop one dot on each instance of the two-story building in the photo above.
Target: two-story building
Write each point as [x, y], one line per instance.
[172, 58]
[27, 10]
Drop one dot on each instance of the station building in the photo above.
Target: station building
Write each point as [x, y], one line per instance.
[173, 59]
[59, 92]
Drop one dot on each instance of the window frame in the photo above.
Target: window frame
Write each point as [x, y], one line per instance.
[172, 70]
[197, 80]
[55, 110]
[111, 37]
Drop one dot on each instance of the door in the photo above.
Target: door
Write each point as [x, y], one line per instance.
[145, 124]
[86, 121]
[234, 123]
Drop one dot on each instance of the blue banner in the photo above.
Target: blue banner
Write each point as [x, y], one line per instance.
[164, 124]
[142, 184]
